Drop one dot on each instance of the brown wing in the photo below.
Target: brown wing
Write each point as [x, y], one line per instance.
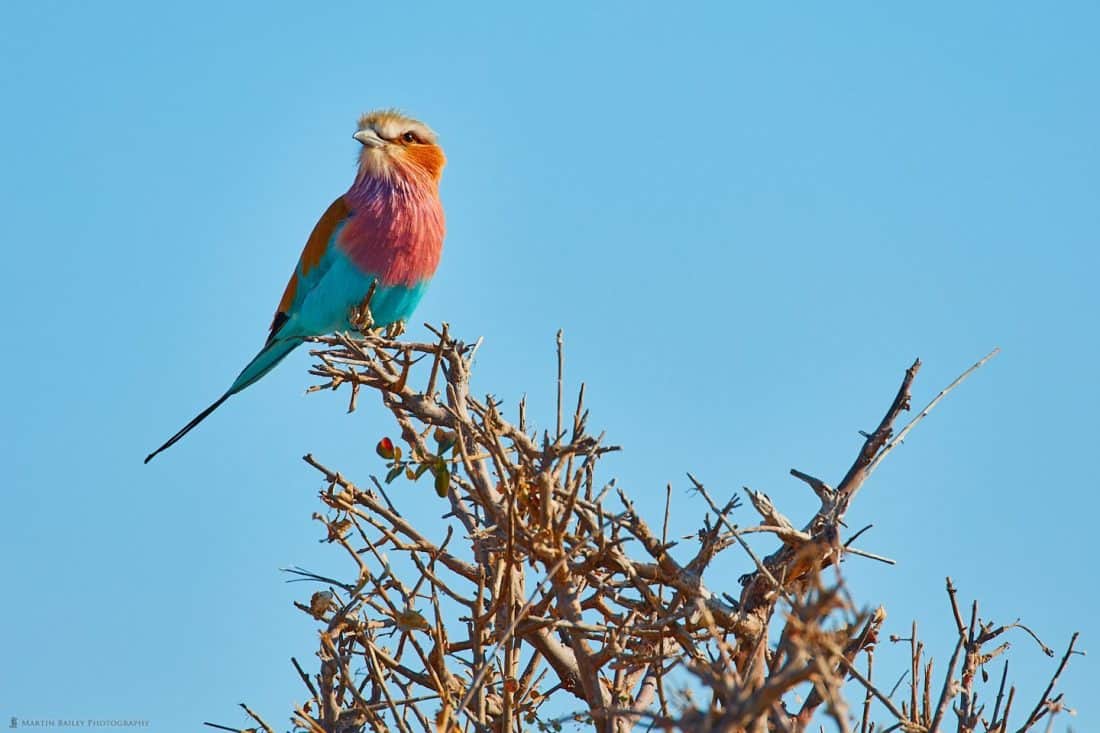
[309, 259]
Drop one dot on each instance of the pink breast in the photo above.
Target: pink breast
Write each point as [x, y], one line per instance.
[394, 232]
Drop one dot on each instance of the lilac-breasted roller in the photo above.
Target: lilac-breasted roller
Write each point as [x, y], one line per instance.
[386, 231]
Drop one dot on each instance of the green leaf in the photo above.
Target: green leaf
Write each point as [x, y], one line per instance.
[444, 439]
[394, 473]
[442, 483]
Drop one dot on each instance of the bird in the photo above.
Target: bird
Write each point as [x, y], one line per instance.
[380, 241]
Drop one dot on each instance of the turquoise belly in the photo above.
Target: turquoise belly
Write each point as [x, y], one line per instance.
[327, 295]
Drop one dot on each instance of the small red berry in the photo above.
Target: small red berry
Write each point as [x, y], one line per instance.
[385, 448]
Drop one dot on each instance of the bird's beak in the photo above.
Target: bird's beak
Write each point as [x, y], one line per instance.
[369, 138]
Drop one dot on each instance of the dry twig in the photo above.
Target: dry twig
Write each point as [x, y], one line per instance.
[544, 606]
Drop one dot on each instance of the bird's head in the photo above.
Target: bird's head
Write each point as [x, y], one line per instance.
[395, 145]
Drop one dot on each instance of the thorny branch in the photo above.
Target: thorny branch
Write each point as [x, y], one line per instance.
[557, 589]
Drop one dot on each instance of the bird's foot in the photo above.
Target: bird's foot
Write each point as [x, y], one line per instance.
[361, 317]
[395, 329]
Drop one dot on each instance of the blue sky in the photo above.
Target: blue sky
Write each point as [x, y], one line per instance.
[748, 220]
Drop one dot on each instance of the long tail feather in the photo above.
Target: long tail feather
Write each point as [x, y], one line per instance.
[270, 355]
[189, 426]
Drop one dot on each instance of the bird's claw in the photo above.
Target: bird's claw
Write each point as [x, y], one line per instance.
[395, 329]
[360, 315]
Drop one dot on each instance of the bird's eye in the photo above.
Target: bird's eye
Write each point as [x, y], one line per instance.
[409, 137]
